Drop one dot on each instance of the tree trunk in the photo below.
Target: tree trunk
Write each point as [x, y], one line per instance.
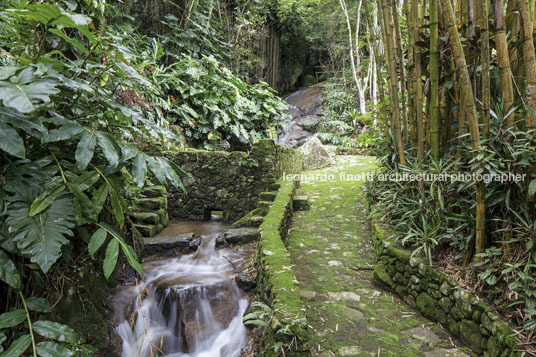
[467, 93]
[418, 80]
[484, 54]
[530, 62]
[393, 93]
[377, 61]
[503, 59]
[434, 81]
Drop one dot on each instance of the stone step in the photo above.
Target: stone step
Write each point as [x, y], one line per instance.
[146, 217]
[256, 221]
[301, 203]
[148, 230]
[264, 205]
[238, 236]
[267, 196]
[167, 245]
[275, 186]
[153, 203]
[154, 191]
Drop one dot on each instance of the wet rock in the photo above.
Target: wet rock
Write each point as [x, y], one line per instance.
[309, 122]
[295, 137]
[167, 243]
[244, 282]
[241, 235]
[315, 155]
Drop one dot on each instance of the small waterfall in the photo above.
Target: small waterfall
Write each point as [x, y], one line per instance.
[187, 306]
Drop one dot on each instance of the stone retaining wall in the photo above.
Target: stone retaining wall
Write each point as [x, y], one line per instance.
[277, 283]
[228, 181]
[440, 299]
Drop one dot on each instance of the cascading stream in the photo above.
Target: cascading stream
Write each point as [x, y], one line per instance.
[188, 306]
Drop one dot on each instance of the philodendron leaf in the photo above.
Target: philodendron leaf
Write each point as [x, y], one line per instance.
[52, 349]
[85, 150]
[55, 331]
[41, 237]
[11, 142]
[8, 271]
[127, 250]
[18, 347]
[110, 259]
[23, 91]
[12, 318]
[97, 240]
[38, 304]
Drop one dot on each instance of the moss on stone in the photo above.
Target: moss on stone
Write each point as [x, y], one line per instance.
[470, 334]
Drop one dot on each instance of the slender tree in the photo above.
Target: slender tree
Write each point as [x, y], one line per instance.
[484, 54]
[434, 80]
[418, 79]
[470, 109]
[530, 62]
[503, 60]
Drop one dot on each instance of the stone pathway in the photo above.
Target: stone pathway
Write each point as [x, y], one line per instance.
[333, 262]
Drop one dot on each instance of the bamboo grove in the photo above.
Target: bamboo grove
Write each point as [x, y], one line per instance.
[461, 87]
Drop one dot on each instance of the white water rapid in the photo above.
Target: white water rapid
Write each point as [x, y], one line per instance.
[187, 306]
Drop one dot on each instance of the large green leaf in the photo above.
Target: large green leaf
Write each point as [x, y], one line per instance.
[38, 304]
[99, 198]
[51, 14]
[72, 41]
[110, 258]
[8, 271]
[109, 149]
[11, 142]
[127, 250]
[85, 150]
[23, 91]
[44, 200]
[41, 237]
[532, 188]
[139, 169]
[18, 347]
[3, 337]
[52, 349]
[12, 318]
[117, 208]
[55, 331]
[31, 125]
[97, 240]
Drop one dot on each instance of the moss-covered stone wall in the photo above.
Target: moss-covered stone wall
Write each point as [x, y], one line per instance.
[276, 280]
[228, 181]
[440, 299]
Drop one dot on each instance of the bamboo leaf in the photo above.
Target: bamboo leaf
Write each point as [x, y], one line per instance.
[532, 188]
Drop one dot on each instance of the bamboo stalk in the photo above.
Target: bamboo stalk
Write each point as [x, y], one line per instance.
[434, 81]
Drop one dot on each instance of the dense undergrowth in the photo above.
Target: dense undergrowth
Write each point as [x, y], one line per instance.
[436, 218]
[82, 93]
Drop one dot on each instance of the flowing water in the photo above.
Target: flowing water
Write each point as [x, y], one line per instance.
[188, 306]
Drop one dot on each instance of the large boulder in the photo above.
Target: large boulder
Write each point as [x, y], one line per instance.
[315, 154]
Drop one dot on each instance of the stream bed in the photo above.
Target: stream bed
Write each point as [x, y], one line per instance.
[188, 305]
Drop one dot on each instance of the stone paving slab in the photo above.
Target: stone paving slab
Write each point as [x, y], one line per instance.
[333, 261]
